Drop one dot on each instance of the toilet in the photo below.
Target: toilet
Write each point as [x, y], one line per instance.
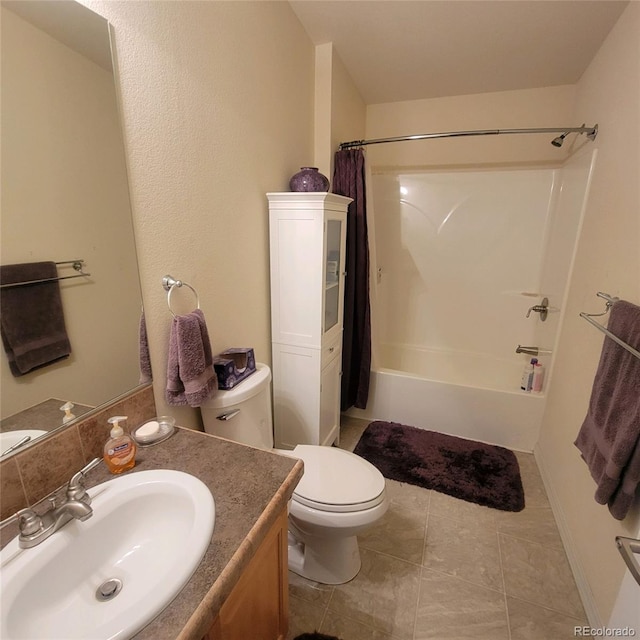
[339, 496]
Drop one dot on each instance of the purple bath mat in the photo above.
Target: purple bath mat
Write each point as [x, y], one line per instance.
[482, 473]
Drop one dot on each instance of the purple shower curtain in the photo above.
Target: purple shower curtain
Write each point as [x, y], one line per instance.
[348, 180]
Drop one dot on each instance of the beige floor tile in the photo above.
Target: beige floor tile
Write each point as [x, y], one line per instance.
[465, 549]
[530, 622]
[533, 524]
[350, 431]
[408, 496]
[444, 505]
[304, 616]
[540, 575]
[382, 596]
[470, 555]
[308, 590]
[400, 533]
[453, 609]
[347, 629]
[346, 420]
[535, 494]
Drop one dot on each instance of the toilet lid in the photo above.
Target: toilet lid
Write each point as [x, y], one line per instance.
[337, 480]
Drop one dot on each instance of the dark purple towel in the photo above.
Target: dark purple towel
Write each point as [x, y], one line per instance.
[191, 378]
[33, 329]
[609, 439]
[146, 375]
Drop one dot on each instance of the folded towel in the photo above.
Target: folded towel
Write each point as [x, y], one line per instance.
[191, 378]
[145, 359]
[33, 330]
[609, 439]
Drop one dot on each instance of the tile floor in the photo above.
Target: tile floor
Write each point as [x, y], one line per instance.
[444, 569]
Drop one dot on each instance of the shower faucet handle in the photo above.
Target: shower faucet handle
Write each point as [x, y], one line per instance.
[542, 309]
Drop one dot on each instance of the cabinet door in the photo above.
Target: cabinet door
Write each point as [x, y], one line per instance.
[332, 303]
[296, 254]
[296, 395]
[258, 606]
[330, 401]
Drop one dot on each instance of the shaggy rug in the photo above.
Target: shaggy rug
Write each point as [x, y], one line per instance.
[482, 473]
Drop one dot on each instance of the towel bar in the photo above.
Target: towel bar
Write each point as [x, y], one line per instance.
[589, 318]
[628, 548]
[77, 265]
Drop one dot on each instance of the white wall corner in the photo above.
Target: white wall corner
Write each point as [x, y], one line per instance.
[579, 574]
[322, 108]
[626, 610]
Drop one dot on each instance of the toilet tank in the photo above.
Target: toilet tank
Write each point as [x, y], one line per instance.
[242, 414]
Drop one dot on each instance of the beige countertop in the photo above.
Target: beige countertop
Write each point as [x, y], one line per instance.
[250, 488]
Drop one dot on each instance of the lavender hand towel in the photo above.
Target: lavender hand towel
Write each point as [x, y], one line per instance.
[609, 439]
[145, 359]
[191, 378]
[33, 330]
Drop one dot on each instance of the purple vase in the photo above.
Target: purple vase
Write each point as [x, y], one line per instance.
[309, 179]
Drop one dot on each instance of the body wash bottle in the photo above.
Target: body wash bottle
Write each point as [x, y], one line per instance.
[527, 375]
[120, 449]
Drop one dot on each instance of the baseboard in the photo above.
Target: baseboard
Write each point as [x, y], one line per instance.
[586, 595]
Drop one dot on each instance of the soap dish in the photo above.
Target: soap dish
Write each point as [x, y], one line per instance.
[154, 431]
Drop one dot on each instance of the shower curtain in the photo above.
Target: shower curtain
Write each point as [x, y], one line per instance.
[349, 180]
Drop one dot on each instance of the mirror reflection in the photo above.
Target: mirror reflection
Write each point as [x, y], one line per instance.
[65, 198]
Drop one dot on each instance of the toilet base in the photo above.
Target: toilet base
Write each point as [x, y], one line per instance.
[324, 560]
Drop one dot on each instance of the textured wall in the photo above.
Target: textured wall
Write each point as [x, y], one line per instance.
[217, 101]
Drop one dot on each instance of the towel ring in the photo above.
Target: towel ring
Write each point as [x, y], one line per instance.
[169, 283]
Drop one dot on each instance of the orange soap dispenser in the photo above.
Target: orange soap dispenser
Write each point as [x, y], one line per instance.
[120, 449]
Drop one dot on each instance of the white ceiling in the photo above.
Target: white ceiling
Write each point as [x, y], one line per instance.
[406, 50]
[70, 23]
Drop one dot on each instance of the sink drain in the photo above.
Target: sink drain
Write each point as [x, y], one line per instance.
[109, 589]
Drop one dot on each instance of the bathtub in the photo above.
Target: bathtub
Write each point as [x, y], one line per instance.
[463, 394]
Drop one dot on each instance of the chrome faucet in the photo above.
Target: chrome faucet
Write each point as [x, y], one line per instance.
[34, 528]
[532, 351]
[542, 309]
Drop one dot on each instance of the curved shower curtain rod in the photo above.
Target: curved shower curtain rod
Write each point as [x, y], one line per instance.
[591, 132]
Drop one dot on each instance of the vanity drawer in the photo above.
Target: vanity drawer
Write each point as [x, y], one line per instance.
[330, 350]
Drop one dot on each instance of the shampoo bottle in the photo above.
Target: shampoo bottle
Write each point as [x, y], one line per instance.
[120, 449]
[538, 377]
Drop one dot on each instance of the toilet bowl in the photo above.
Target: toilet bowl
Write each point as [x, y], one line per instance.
[339, 496]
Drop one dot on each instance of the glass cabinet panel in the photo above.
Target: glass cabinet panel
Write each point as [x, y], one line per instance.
[332, 280]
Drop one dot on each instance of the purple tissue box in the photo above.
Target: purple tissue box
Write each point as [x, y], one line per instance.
[233, 366]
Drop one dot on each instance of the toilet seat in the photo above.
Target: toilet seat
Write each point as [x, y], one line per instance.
[336, 480]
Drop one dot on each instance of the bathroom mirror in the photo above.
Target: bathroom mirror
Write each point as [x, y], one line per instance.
[65, 197]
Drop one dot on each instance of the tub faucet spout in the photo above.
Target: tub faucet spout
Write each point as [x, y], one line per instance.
[532, 351]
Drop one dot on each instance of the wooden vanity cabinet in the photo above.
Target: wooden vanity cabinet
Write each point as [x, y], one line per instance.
[258, 606]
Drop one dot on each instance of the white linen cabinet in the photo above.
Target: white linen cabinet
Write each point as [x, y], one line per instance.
[307, 245]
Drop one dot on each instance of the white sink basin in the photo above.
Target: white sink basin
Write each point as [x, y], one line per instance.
[148, 529]
[11, 438]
